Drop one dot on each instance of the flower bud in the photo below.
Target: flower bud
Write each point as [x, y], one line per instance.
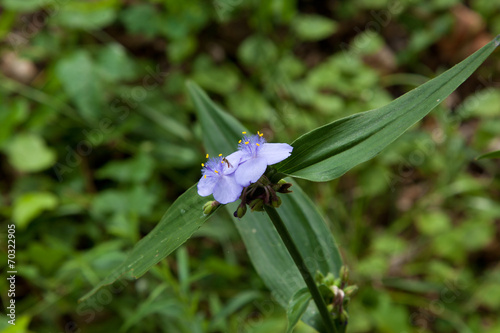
[241, 211]
[344, 317]
[284, 188]
[344, 275]
[276, 202]
[349, 291]
[329, 279]
[209, 207]
[257, 205]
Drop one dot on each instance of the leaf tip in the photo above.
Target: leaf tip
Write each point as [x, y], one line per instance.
[497, 40]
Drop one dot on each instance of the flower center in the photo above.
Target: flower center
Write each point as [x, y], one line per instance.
[251, 144]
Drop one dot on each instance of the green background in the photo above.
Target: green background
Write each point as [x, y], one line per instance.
[98, 137]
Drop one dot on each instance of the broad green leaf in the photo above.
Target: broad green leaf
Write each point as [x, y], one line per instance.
[29, 153]
[313, 27]
[493, 154]
[264, 246]
[330, 151]
[79, 79]
[297, 307]
[270, 256]
[180, 221]
[91, 15]
[30, 205]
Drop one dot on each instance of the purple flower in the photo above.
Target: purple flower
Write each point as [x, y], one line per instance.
[255, 155]
[218, 178]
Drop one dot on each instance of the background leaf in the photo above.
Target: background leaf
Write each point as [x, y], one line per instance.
[79, 78]
[330, 151]
[29, 153]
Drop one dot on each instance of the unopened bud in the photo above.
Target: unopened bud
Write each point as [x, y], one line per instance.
[344, 317]
[319, 277]
[241, 211]
[209, 207]
[257, 205]
[349, 291]
[329, 279]
[276, 202]
[344, 275]
[284, 188]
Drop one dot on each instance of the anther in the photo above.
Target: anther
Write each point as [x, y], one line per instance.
[247, 142]
[202, 164]
[220, 155]
[257, 144]
[206, 156]
[216, 171]
[243, 132]
[205, 176]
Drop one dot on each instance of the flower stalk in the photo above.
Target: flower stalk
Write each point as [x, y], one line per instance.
[299, 262]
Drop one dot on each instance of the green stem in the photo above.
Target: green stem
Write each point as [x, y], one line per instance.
[299, 262]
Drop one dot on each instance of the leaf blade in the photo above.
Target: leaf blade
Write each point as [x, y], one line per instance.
[296, 308]
[265, 248]
[331, 150]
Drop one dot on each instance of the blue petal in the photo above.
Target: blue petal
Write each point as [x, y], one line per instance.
[275, 152]
[206, 185]
[250, 171]
[227, 190]
[234, 162]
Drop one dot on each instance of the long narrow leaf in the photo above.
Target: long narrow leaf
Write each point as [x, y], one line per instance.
[331, 150]
[264, 246]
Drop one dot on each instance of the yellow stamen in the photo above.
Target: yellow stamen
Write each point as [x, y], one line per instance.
[257, 144]
[202, 164]
[220, 155]
[247, 142]
[239, 141]
[216, 171]
[244, 132]
[261, 134]
[205, 176]
[206, 156]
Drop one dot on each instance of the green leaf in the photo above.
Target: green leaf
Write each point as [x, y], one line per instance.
[80, 81]
[85, 14]
[30, 205]
[493, 154]
[24, 6]
[270, 257]
[29, 153]
[141, 19]
[180, 221]
[298, 305]
[113, 63]
[330, 151]
[313, 27]
[265, 248]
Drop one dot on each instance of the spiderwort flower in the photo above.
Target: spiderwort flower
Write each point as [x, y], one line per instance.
[218, 179]
[255, 155]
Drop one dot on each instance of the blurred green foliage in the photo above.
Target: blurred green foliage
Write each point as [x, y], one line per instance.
[98, 137]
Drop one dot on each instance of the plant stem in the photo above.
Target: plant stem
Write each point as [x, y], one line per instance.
[299, 262]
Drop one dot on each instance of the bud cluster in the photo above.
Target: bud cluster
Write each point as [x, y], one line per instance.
[336, 292]
[263, 192]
